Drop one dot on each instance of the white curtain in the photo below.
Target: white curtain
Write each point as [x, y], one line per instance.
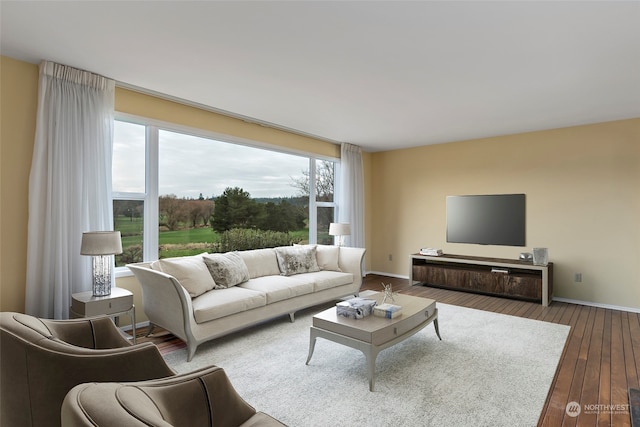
[351, 201]
[69, 184]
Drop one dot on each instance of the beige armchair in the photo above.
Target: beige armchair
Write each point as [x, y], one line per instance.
[201, 398]
[41, 360]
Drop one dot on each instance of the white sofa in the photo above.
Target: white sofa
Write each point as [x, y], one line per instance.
[202, 297]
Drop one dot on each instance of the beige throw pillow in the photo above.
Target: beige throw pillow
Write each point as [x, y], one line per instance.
[327, 257]
[191, 272]
[297, 259]
[226, 269]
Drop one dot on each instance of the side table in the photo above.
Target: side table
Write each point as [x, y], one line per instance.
[84, 304]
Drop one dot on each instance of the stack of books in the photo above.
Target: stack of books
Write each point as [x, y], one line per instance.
[387, 310]
[431, 251]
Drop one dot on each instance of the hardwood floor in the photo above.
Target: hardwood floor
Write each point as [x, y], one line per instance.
[601, 359]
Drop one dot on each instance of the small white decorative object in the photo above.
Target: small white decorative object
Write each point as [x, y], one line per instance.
[388, 294]
[431, 251]
[540, 256]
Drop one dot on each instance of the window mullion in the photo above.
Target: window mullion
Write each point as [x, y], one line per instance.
[151, 211]
[313, 210]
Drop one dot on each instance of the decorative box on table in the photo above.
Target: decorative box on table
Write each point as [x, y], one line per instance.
[355, 308]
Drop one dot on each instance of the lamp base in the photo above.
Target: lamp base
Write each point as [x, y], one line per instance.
[102, 290]
[101, 276]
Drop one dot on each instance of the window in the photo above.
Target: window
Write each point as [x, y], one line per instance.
[325, 174]
[129, 189]
[177, 193]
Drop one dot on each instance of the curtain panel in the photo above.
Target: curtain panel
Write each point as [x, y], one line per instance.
[351, 206]
[69, 184]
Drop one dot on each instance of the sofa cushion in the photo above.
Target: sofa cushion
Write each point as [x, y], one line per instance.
[297, 259]
[260, 262]
[226, 269]
[278, 288]
[326, 279]
[327, 257]
[224, 302]
[190, 271]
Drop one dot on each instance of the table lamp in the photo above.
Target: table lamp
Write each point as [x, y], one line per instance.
[339, 229]
[101, 245]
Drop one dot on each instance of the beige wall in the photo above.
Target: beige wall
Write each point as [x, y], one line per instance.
[583, 201]
[18, 100]
[582, 186]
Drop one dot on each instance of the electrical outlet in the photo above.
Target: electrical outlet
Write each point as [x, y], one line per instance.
[577, 278]
[390, 257]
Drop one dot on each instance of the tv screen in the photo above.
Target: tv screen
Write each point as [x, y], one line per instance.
[497, 219]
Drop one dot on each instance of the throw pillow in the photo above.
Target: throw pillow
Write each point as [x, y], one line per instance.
[191, 272]
[328, 257]
[297, 259]
[226, 269]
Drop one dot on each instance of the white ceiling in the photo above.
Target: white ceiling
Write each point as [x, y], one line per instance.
[380, 74]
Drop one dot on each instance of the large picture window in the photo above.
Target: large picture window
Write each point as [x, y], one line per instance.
[179, 193]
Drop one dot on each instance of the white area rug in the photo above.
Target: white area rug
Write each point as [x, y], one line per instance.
[489, 370]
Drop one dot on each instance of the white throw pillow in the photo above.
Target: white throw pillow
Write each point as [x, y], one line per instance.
[261, 262]
[226, 269]
[191, 272]
[297, 259]
[327, 257]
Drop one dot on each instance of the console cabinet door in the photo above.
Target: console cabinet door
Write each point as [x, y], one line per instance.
[523, 286]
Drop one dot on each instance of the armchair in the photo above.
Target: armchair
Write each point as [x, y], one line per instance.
[204, 397]
[41, 360]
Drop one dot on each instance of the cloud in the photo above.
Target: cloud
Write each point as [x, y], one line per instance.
[190, 165]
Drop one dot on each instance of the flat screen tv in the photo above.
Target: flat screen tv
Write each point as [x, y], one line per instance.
[496, 219]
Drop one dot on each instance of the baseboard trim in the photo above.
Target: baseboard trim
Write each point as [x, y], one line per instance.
[381, 273]
[566, 300]
[597, 304]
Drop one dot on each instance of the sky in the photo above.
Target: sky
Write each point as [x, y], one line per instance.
[192, 165]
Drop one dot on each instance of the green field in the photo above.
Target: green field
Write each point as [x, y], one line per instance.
[187, 241]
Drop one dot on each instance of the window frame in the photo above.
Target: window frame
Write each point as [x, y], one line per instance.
[150, 197]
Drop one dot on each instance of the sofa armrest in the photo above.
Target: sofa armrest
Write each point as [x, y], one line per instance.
[166, 303]
[350, 261]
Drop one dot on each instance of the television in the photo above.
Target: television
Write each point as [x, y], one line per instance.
[494, 219]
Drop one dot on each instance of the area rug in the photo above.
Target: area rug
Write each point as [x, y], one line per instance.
[489, 370]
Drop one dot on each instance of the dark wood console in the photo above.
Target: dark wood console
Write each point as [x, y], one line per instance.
[491, 276]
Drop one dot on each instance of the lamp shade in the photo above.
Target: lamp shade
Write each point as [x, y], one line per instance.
[339, 229]
[101, 243]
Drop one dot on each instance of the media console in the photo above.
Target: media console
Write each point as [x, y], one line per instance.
[491, 276]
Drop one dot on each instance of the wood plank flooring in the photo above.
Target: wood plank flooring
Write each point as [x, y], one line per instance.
[601, 359]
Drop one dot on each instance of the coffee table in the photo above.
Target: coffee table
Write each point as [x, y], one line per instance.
[373, 334]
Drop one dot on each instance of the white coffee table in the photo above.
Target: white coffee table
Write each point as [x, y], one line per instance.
[373, 334]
